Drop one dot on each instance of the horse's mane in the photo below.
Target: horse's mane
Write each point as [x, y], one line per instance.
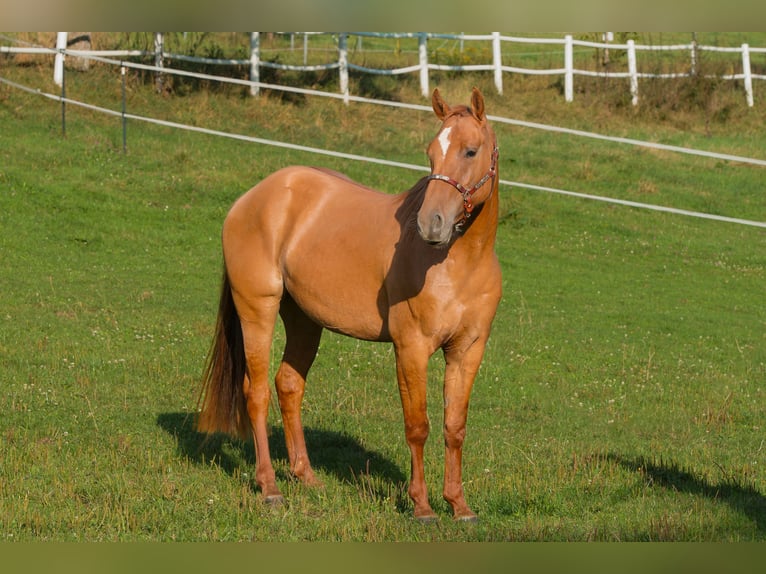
[412, 199]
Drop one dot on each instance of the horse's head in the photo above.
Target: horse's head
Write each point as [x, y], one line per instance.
[463, 159]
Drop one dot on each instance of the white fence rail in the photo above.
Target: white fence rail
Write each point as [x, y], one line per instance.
[497, 66]
[500, 120]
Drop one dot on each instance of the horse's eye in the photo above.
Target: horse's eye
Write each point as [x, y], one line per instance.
[470, 153]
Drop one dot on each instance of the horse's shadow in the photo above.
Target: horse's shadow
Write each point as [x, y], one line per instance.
[743, 498]
[333, 452]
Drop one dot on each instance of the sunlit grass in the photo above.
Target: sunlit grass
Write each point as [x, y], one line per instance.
[621, 397]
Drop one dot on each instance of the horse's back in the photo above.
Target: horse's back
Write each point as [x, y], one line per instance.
[314, 181]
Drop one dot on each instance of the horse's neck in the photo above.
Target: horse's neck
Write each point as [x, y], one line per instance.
[479, 235]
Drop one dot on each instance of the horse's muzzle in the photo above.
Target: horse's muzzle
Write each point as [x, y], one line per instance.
[434, 228]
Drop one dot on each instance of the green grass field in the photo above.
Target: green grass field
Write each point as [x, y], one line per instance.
[622, 395]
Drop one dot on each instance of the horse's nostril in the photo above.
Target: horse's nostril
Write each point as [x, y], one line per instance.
[433, 228]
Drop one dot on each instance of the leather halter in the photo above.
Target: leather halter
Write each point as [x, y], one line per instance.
[467, 193]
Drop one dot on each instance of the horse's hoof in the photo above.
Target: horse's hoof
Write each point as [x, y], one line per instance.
[467, 518]
[427, 518]
[274, 500]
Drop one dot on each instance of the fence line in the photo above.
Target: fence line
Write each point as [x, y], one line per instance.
[355, 157]
[424, 66]
[419, 107]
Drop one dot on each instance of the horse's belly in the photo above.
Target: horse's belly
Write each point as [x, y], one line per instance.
[339, 301]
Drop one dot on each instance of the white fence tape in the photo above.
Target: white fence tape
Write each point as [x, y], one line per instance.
[495, 39]
[356, 157]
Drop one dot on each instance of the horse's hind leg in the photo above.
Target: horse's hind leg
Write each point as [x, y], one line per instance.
[303, 337]
[257, 316]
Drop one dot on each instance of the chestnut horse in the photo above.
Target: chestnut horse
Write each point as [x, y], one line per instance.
[417, 269]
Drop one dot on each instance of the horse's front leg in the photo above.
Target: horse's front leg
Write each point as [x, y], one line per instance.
[411, 371]
[461, 368]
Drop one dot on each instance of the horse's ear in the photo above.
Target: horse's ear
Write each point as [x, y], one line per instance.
[441, 108]
[477, 104]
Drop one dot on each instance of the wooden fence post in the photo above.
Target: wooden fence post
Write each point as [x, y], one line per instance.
[423, 58]
[58, 64]
[694, 54]
[159, 61]
[633, 71]
[497, 62]
[747, 72]
[568, 68]
[255, 62]
[343, 65]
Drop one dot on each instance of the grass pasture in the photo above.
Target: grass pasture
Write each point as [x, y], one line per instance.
[622, 397]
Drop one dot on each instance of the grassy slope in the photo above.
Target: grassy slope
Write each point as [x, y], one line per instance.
[622, 394]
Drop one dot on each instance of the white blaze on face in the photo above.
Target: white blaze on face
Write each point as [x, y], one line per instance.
[444, 140]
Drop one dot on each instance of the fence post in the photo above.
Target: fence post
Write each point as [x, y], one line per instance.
[58, 64]
[255, 62]
[694, 54]
[124, 109]
[568, 68]
[746, 71]
[497, 62]
[423, 58]
[159, 59]
[343, 64]
[63, 103]
[633, 71]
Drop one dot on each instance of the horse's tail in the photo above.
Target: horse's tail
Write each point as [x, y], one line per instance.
[222, 404]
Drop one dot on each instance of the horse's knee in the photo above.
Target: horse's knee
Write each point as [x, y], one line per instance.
[417, 432]
[454, 435]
